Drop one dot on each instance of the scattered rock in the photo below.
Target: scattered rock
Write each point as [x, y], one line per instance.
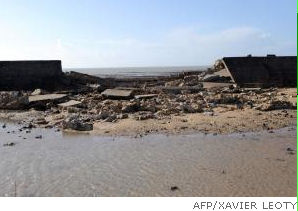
[289, 149]
[191, 80]
[122, 116]
[174, 188]
[13, 100]
[193, 108]
[37, 92]
[144, 115]
[276, 105]
[102, 115]
[73, 109]
[29, 126]
[131, 107]
[41, 121]
[9, 144]
[163, 99]
[111, 118]
[75, 123]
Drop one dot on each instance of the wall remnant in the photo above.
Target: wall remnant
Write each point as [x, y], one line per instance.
[276, 71]
[29, 75]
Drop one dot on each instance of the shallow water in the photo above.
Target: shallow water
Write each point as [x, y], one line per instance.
[254, 164]
[127, 72]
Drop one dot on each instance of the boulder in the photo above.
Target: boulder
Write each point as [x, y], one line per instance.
[102, 115]
[75, 123]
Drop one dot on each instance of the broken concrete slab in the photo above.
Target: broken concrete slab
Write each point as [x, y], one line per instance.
[147, 96]
[70, 103]
[117, 94]
[46, 97]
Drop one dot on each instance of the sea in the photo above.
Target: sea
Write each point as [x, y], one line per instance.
[123, 72]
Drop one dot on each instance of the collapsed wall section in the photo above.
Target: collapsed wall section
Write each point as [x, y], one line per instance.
[277, 71]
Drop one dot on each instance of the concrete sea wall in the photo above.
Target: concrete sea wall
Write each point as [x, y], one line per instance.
[28, 75]
[280, 71]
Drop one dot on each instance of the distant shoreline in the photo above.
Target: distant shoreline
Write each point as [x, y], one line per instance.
[138, 72]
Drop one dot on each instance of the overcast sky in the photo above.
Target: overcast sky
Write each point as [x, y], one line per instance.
[111, 33]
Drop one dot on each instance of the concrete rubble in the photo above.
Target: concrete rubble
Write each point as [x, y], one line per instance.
[36, 98]
[13, 100]
[117, 94]
[76, 123]
[71, 103]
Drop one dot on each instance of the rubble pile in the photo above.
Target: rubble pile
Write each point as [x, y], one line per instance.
[13, 100]
[79, 110]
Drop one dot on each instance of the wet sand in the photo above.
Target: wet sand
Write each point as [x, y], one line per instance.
[222, 121]
[60, 164]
